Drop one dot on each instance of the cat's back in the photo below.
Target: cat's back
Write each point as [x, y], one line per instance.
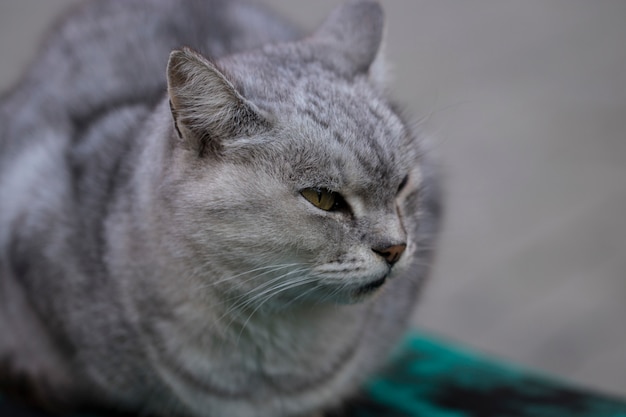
[76, 112]
[104, 56]
[68, 126]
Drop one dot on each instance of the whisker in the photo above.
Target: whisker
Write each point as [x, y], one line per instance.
[300, 296]
[263, 285]
[269, 288]
[269, 269]
[247, 300]
[287, 286]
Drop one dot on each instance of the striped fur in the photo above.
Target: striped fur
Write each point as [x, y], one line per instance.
[156, 253]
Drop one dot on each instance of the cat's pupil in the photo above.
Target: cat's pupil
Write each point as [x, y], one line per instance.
[319, 196]
[403, 183]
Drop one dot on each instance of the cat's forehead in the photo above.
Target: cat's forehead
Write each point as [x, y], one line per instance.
[338, 131]
[347, 142]
[354, 119]
[279, 76]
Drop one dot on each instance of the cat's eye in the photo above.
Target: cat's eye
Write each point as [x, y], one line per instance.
[324, 199]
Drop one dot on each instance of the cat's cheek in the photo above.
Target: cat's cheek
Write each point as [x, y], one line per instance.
[318, 233]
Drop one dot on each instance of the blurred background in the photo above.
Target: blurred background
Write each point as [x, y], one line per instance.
[526, 100]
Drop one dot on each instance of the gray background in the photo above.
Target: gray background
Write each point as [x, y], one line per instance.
[527, 102]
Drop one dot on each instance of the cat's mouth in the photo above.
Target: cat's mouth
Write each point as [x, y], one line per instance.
[370, 288]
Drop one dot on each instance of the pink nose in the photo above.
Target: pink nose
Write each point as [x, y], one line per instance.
[392, 253]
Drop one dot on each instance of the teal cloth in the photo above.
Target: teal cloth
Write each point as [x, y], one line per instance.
[428, 377]
[431, 378]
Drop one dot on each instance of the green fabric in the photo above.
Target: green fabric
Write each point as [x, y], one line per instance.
[430, 378]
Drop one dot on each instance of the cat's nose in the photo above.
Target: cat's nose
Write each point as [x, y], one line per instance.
[391, 253]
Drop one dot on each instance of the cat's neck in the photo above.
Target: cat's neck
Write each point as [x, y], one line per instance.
[283, 347]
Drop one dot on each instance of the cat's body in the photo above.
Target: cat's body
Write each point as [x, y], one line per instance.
[162, 252]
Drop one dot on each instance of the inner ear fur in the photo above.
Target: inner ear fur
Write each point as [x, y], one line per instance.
[206, 107]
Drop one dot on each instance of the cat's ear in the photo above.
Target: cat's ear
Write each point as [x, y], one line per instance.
[355, 31]
[206, 107]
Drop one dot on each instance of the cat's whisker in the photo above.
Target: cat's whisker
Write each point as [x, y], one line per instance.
[234, 300]
[267, 288]
[287, 286]
[249, 300]
[272, 292]
[304, 294]
[268, 270]
[261, 286]
[329, 295]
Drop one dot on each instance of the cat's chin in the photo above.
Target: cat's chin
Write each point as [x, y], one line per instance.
[371, 287]
[358, 294]
[367, 291]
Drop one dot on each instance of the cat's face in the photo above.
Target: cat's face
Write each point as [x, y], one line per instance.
[318, 207]
[294, 179]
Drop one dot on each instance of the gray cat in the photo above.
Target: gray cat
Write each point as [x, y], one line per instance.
[244, 235]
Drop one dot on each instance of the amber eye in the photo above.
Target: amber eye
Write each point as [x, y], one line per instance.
[323, 199]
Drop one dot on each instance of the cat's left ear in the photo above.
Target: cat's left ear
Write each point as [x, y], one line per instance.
[354, 32]
[206, 107]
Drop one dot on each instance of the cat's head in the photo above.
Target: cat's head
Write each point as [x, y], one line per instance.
[293, 178]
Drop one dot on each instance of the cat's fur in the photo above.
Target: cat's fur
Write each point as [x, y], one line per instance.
[156, 253]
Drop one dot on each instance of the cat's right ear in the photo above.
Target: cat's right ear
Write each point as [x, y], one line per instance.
[206, 107]
[354, 35]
